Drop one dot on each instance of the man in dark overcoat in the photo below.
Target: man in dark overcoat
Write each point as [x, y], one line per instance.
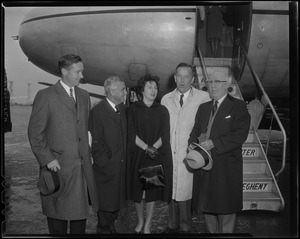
[222, 129]
[58, 135]
[108, 128]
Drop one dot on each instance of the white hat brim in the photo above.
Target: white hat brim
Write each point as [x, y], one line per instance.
[194, 160]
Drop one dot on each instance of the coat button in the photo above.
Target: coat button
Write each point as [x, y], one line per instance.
[79, 139]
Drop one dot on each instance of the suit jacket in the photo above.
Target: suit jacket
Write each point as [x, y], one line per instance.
[220, 190]
[57, 130]
[108, 131]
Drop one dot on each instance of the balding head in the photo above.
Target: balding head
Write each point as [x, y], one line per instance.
[218, 83]
[220, 76]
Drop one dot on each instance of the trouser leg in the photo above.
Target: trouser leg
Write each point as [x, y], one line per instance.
[173, 215]
[77, 226]
[57, 226]
[185, 215]
[106, 221]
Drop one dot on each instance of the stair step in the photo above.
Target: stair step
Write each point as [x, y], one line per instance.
[253, 160]
[258, 182]
[251, 150]
[254, 165]
[252, 144]
[262, 201]
[261, 196]
[276, 206]
[210, 69]
[213, 61]
[256, 177]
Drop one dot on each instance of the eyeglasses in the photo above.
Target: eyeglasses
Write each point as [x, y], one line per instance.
[217, 82]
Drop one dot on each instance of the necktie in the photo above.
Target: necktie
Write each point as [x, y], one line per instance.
[117, 109]
[71, 96]
[181, 100]
[214, 108]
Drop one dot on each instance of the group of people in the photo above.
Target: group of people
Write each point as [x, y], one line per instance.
[96, 153]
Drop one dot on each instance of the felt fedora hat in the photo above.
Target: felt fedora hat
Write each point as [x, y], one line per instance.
[198, 157]
[50, 183]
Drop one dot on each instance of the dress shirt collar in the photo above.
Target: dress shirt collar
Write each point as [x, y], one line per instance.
[112, 104]
[221, 100]
[185, 95]
[67, 88]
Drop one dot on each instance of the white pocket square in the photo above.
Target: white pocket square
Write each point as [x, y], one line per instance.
[228, 116]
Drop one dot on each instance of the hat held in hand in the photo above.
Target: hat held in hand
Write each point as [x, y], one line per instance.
[198, 157]
[50, 183]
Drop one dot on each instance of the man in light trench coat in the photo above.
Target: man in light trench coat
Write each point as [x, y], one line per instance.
[182, 104]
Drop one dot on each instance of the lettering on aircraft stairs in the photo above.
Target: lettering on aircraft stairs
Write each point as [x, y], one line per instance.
[260, 189]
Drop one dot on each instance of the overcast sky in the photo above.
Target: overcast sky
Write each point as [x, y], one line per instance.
[18, 69]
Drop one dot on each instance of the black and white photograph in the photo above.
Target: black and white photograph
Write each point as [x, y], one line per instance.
[175, 119]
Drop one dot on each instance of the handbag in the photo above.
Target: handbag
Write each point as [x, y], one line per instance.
[152, 177]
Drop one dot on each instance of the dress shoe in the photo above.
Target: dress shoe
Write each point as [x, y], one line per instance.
[184, 232]
[99, 231]
[170, 231]
[140, 231]
[113, 230]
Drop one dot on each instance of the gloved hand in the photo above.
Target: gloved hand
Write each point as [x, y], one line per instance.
[151, 151]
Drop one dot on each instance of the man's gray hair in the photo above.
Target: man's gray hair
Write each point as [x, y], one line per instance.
[110, 81]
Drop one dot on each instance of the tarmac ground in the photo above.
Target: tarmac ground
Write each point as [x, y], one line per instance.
[23, 214]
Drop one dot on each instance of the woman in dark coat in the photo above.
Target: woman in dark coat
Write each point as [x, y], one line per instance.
[148, 144]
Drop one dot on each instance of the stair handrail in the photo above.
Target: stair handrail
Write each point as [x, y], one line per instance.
[256, 78]
[202, 63]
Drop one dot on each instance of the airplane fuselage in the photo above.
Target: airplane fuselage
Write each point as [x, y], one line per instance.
[133, 41]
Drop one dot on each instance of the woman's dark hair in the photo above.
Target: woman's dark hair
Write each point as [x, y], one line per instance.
[142, 82]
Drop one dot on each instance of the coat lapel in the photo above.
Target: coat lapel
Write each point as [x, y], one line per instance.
[79, 99]
[112, 113]
[175, 99]
[222, 112]
[208, 112]
[64, 97]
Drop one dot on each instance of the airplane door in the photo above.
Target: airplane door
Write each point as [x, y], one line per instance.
[241, 30]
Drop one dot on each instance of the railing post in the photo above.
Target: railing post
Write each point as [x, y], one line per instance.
[202, 62]
[257, 81]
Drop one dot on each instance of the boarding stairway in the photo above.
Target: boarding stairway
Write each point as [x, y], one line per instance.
[260, 189]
